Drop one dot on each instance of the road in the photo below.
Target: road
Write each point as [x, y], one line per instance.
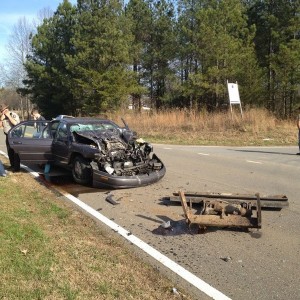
[260, 264]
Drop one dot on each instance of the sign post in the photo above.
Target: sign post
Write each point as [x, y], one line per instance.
[234, 96]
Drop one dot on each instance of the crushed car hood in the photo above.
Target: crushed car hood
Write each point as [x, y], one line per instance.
[97, 137]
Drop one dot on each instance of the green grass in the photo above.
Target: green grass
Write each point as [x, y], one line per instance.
[50, 250]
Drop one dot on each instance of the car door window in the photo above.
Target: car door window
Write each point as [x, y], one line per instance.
[26, 130]
[62, 133]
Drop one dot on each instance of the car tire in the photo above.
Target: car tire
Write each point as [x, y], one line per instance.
[81, 170]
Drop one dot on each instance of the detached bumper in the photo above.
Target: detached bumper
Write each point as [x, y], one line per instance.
[104, 180]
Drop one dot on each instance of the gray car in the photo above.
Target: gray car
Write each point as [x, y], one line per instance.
[98, 152]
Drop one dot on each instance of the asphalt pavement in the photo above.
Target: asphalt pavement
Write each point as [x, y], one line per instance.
[260, 264]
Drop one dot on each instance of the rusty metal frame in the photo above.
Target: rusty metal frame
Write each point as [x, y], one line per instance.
[267, 201]
[252, 220]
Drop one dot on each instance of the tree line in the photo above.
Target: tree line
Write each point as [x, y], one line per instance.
[96, 55]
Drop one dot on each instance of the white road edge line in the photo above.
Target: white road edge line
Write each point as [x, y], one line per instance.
[254, 162]
[167, 262]
[203, 153]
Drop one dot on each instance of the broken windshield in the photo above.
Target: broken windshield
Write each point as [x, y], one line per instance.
[81, 127]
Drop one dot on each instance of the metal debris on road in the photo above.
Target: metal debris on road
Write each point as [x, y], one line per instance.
[267, 201]
[110, 199]
[220, 213]
[166, 225]
[226, 258]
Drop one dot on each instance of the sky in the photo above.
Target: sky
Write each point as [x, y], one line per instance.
[13, 10]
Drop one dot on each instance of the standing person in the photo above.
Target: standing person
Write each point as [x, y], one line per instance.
[37, 116]
[298, 125]
[8, 119]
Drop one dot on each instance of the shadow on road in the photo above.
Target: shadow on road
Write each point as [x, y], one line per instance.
[260, 151]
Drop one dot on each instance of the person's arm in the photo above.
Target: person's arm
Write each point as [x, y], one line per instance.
[11, 119]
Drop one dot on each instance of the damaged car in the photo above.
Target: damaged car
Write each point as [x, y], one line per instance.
[98, 152]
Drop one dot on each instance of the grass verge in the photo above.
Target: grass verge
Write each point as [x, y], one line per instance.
[50, 250]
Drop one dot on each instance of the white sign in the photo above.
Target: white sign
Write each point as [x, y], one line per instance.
[233, 91]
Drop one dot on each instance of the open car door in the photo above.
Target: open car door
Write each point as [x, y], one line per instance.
[32, 141]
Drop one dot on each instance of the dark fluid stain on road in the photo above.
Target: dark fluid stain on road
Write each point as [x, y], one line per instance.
[68, 185]
[176, 228]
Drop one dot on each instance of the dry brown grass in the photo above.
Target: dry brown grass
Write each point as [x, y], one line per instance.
[257, 127]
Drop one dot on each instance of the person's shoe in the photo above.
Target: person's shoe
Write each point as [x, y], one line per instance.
[298, 153]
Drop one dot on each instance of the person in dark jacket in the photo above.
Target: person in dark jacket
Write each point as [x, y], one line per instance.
[37, 116]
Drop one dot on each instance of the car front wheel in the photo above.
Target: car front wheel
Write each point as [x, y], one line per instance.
[81, 170]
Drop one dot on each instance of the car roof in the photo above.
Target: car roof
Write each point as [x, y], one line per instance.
[59, 117]
[83, 120]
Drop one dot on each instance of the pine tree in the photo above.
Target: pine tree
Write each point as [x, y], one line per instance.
[221, 49]
[48, 79]
[189, 62]
[276, 43]
[139, 15]
[160, 51]
[80, 62]
[102, 41]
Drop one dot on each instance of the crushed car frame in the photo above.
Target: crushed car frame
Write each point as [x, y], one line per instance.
[220, 213]
[97, 151]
